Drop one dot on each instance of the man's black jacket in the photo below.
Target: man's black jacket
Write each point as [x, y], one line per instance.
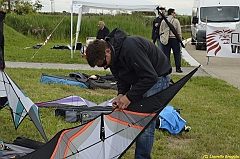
[155, 30]
[136, 63]
[102, 33]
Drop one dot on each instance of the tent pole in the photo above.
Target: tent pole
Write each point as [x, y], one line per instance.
[78, 26]
[71, 29]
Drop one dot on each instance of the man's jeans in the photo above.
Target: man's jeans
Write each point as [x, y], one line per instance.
[144, 143]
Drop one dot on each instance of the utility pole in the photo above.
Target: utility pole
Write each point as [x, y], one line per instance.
[52, 6]
[9, 6]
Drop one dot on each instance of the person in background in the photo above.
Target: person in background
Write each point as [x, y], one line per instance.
[103, 30]
[2, 61]
[141, 70]
[173, 43]
[155, 29]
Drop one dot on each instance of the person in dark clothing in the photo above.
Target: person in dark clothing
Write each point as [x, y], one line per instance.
[2, 61]
[155, 29]
[141, 70]
[103, 30]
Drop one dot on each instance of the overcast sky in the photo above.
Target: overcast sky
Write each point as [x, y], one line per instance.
[180, 6]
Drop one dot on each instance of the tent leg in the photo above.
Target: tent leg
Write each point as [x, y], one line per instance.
[71, 30]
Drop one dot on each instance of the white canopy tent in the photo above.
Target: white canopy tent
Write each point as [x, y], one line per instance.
[121, 5]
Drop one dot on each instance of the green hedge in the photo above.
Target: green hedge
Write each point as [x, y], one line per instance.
[39, 26]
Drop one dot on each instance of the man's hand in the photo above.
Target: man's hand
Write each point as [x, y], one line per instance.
[116, 101]
[123, 102]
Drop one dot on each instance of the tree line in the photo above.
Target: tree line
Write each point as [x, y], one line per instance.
[21, 6]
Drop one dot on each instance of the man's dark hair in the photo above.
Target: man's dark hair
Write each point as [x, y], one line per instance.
[96, 51]
[170, 11]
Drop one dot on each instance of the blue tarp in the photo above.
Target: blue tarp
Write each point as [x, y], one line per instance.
[170, 119]
[62, 80]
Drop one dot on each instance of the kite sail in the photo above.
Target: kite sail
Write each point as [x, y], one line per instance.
[3, 96]
[77, 109]
[108, 136]
[20, 104]
[67, 101]
[73, 101]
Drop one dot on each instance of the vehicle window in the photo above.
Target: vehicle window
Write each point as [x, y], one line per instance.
[220, 14]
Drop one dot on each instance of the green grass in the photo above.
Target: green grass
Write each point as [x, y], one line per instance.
[19, 48]
[209, 105]
[23, 32]
[39, 26]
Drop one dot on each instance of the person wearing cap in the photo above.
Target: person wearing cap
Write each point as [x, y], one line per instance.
[103, 30]
[155, 29]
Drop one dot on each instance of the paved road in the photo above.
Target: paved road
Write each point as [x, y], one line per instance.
[9, 64]
[50, 66]
[223, 68]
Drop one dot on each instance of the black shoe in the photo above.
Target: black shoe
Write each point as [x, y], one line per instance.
[171, 82]
[179, 71]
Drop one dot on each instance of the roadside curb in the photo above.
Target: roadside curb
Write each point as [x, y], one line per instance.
[187, 57]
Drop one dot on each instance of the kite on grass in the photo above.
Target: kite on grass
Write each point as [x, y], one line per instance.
[20, 104]
[109, 135]
[73, 101]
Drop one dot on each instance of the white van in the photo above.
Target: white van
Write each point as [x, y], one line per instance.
[219, 13]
